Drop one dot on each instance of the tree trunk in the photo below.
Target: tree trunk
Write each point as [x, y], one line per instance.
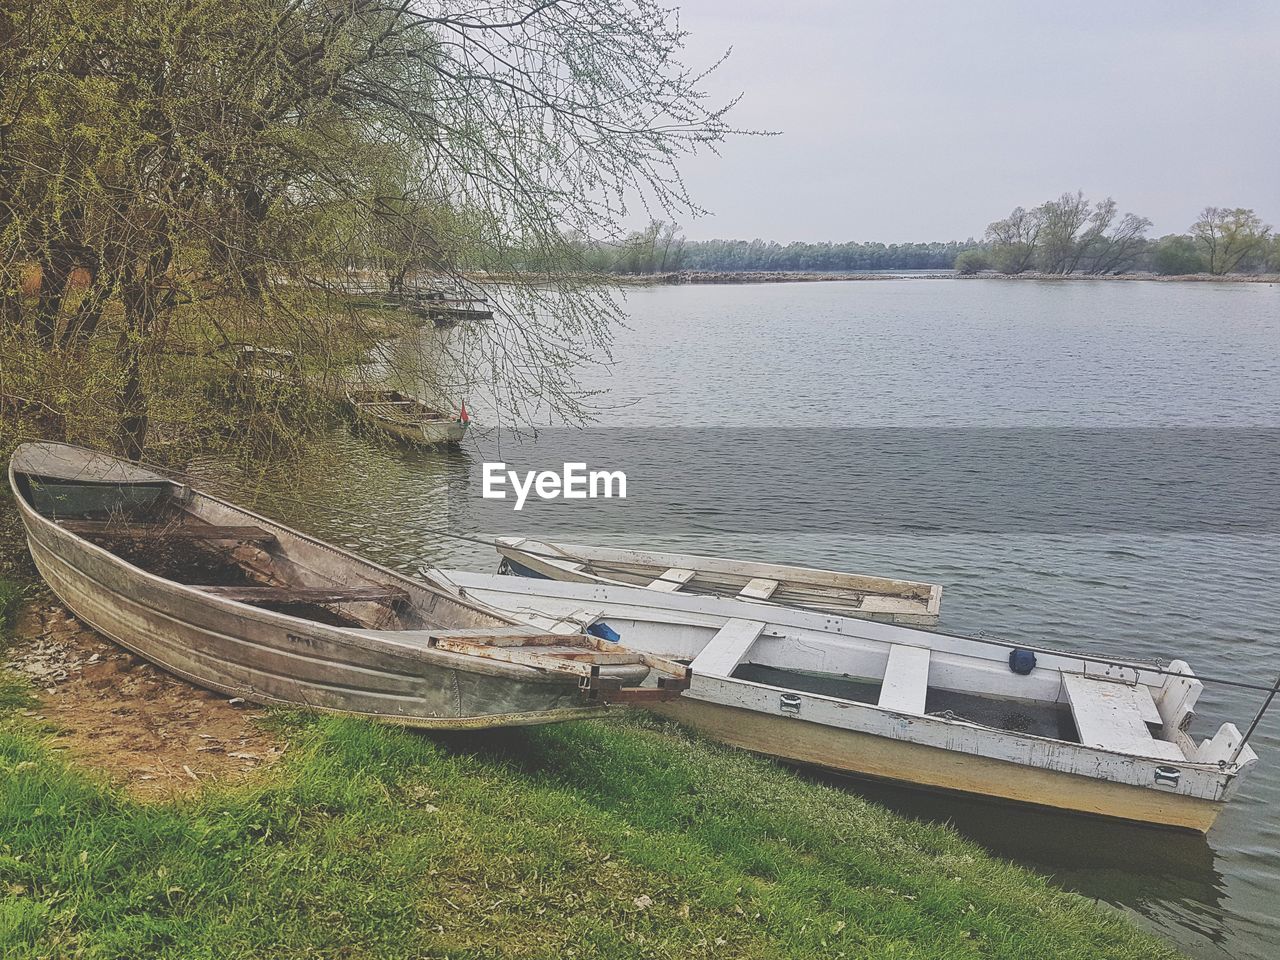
[80, 328]
[132, 408]
[395, 279]
[256, 207]
[55, 271]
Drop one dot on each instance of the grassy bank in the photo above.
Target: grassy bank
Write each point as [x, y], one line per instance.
[619, 839]
[622, 839]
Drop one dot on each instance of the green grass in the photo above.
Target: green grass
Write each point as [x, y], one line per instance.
[622, 839]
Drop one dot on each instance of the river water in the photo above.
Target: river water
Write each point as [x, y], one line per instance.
[1081, 464]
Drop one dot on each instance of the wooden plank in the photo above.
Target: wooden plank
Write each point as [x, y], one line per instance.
[906, 679]
[663, 665]
[166, 531]
[759, 588]
[726, 649]
[1110, 716]
[516, 637]
[671, 581]
[515, 655]
[308, 594]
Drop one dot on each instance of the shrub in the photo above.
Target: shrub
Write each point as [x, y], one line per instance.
[1177, 256]
[969, 262]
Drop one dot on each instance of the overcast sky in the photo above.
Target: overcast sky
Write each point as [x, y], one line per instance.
[904, 120]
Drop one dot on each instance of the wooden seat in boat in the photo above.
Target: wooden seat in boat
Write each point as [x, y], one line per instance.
[727, 648]
[1114, 716]
[671, 580]
[605, 666]
[906, 679]
[263, 594]
[166, 531]
[759, 588]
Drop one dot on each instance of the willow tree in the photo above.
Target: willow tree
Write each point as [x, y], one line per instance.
[225, 156]
[1229, 239]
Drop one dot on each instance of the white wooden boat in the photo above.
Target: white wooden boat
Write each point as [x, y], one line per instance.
[406, 418]
[929, 709]
[846, 594]
[234, 602]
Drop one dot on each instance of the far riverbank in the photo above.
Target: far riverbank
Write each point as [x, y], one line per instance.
[787, 276]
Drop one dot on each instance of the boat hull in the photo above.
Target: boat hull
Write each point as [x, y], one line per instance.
[422, 434]
[269, 657]
[312, 668]
[918, 765]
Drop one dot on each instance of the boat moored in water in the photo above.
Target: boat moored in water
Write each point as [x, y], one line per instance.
[406, 418]
[239, 604]
[973, 715]
[845, 594]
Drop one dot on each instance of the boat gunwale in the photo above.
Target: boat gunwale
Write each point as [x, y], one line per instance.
[686, 711]
[789, 617]
[845, 704]
[417, 404]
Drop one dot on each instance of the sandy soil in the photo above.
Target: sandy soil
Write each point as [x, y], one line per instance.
[150, 732]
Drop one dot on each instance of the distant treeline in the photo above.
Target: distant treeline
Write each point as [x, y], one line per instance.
[739, 255]
[1072, 235]
[662, 249]
[1068, 235]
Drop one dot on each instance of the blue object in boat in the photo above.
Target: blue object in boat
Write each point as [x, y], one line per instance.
[1022, 661]
[604, 632]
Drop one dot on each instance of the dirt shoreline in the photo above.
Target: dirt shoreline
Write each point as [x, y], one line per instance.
[153, 734]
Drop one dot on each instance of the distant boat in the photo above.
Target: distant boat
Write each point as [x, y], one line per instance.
[966, 714]
[234, 602]
[406, 418]
[448, 313]
[264, 363]
[846, 594]
[261, 374]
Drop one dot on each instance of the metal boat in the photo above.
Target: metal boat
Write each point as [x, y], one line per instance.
[234, 602]
[406, 418]
[975, 715]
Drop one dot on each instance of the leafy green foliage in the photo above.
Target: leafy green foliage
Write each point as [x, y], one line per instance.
[1176, 256]
[1068, 235]
[972, 261]
[231, 157]
[1230, 239]
[585, 840]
